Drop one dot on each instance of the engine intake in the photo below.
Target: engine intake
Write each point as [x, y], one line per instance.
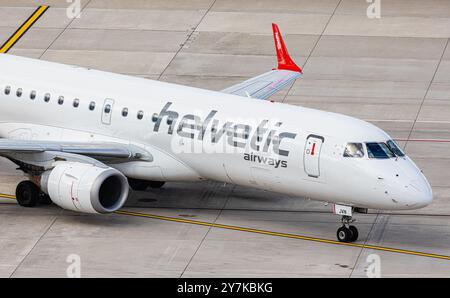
[85, 188]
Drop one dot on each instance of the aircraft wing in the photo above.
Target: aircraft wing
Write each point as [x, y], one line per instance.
[94, 150]
[263, 86]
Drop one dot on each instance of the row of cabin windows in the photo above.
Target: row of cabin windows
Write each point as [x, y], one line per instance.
[76, 102]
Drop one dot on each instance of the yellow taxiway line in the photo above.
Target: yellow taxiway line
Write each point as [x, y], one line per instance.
[23, 29]
[271, 233]
[5, 196]
[285, 235]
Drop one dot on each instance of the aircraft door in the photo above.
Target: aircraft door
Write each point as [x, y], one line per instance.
[311, 156]
[107, 111]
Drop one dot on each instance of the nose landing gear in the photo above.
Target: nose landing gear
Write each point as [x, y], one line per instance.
[347, 233]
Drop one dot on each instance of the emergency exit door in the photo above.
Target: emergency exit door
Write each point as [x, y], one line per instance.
[107, 111]
[311, 156]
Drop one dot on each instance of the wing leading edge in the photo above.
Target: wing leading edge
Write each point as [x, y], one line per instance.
[265, 85]
[99, 151]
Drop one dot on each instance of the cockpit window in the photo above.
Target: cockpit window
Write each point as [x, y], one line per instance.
[395, 148]
[379, 150]
[354, 150]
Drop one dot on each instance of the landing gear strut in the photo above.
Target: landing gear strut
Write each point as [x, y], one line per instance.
[347, 233]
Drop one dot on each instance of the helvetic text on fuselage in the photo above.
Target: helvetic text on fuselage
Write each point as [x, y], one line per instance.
[261, 141]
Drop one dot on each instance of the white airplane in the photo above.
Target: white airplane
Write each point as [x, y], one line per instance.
[84, 136]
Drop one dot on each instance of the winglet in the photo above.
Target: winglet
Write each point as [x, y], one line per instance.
[284, 60]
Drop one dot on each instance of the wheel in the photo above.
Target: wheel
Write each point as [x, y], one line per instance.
[44, 199]
[344, 234]
[27, 194]
[354, 232]
[139, 185]
[157, 184]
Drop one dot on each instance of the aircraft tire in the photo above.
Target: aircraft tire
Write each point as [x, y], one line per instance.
[138, 185]
[27, 194]
[157, 184]
[344, 234]
[354, 232]
[44, 199]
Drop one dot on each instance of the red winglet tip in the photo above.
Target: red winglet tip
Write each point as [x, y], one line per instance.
[284, 60]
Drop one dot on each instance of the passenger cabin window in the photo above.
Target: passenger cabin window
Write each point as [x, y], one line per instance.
[125, 112]
[379, 150]
[19, 92]
[61, 100]
[47, 97]
[33, 94]
[395, 148]
[76, 103]
[354, 150]
[7, 90]
[140, 115]
[107, 109]
[92, 106]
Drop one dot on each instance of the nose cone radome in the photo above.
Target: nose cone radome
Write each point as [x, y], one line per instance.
[421, 193]
[414, 190]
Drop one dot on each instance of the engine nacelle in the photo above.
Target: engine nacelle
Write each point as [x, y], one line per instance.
[85, 188]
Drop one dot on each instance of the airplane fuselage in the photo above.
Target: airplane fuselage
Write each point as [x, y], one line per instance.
[196, 134]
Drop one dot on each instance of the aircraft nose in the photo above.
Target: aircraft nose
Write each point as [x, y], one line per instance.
[427, 198]
[423, 194]
[416, 190]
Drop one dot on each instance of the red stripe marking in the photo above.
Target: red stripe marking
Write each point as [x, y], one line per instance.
[312, 149]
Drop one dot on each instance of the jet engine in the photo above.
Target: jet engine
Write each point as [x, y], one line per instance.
[85, 188]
